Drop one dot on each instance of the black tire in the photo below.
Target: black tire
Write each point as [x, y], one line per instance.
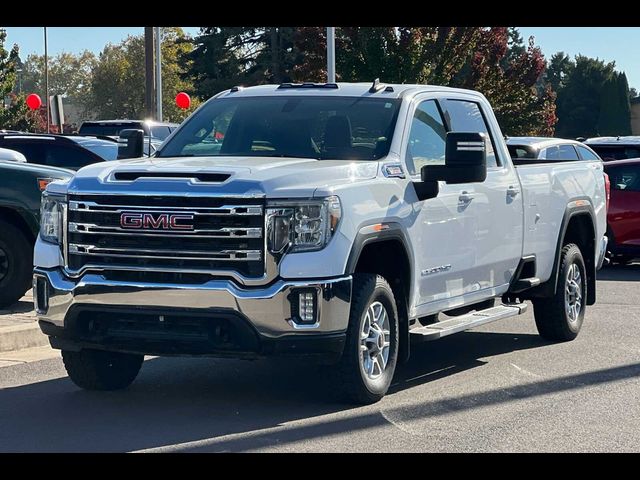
[16, 263]
[551, 315]
[355, 385]
[101, 370]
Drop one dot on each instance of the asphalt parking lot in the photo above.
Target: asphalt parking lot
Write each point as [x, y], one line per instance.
[499, 388]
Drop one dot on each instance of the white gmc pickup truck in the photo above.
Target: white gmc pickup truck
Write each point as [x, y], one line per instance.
[331, 221]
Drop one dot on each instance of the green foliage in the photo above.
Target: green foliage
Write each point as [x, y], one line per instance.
[69, 75]
[592, 99]
[15, 115]
[118, 81]
[493, 60]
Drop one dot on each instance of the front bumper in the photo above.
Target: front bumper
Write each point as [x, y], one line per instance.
[209, 318]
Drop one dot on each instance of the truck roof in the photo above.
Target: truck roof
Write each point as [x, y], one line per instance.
[362, 89]
[624, 140]
[539, 142]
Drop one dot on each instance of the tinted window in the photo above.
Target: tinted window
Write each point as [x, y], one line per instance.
[104, 150]
[340, 128]
[466, 116]
[561, 152]
[33, 152]
[67, 157]
[160, 131]
[625, 178]
[427, 138]
[586, 154]
[616, 152]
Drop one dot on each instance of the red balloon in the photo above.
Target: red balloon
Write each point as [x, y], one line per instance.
[33, 101]
[183, 100]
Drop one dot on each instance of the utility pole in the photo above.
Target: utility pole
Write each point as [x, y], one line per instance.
[46, 78]
[158, 74]
[331, 54]
[149, 72]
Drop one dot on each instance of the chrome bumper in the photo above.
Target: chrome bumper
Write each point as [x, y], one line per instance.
[267, 309]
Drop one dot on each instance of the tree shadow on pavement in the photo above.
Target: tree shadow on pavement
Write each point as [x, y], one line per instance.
[19, 307]
[176, 401]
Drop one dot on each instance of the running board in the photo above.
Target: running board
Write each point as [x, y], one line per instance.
[470, 320]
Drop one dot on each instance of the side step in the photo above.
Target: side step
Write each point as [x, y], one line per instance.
[524, 284]
[470, 320]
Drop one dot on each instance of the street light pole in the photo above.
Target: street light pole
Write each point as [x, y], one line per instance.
[46, 77]
[149, 72]
[158, 74]
[331, 54]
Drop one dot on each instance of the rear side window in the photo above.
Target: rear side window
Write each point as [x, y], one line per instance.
[625, 178]
[561, 152]
[33, 152]
[520, 151]
[67, 157]
[465, 116]
[616, 152]
[427, 138]
[160, 131]
[587, 154]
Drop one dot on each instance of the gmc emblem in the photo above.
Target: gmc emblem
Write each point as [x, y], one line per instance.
[156, 221]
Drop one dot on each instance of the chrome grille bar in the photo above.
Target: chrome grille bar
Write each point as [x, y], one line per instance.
[231, 232]
[232, 255]
[86, 206]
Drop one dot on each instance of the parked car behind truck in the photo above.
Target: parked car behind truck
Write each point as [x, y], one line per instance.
[21, 186]
[322, 220]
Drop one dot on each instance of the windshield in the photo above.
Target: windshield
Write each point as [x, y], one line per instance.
[616, 152]
[338, 128]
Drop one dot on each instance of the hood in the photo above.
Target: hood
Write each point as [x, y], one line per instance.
[258, 176]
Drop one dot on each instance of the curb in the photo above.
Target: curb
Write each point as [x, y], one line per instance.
[17, 337]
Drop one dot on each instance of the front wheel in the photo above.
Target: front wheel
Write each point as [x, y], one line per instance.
[101, 370]
[371, 349]
[560, 317]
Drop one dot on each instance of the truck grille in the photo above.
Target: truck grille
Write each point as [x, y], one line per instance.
[197, 234]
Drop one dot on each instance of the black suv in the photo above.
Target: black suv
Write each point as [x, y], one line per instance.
[156, 130]
[72, 152]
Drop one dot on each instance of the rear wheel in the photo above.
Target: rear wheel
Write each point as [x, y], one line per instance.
[101, 370]
[560, 317]
[371, 349]
[16, 263]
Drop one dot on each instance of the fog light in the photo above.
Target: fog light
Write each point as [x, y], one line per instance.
[304, 307]
[40, 294]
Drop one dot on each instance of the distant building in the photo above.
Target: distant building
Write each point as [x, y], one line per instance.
[635, 116]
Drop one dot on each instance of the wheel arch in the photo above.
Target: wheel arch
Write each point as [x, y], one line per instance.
[383, 249]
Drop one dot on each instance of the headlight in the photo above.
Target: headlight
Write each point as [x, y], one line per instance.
[51, 218]
[302, 226]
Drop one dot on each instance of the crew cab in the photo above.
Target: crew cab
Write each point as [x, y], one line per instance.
[331, 221]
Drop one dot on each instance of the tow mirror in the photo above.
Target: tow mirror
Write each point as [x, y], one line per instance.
[131, 143]
[465, 160]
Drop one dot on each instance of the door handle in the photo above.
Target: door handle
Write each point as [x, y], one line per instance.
[512, 191]
[465, 197]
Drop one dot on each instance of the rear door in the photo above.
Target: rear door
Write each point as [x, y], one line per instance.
[624, 206]
[495, 206]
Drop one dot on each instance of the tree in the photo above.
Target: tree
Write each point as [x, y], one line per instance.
[633, 93]
[15, 115]
[580, 86]
[118, 82]
[70, 75]
[491, 60]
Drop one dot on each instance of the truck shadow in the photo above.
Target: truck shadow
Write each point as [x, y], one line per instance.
[620, 273]
[176, 401]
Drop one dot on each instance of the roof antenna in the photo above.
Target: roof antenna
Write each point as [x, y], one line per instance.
[376, 86]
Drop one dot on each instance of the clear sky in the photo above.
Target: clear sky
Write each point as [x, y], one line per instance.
[607, 43]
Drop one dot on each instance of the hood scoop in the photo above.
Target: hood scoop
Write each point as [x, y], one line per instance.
[200, 177]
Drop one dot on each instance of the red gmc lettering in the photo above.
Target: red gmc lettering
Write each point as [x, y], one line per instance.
[164, 221]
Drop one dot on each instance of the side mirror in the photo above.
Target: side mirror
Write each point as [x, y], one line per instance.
[131, 143]
[465, 160]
